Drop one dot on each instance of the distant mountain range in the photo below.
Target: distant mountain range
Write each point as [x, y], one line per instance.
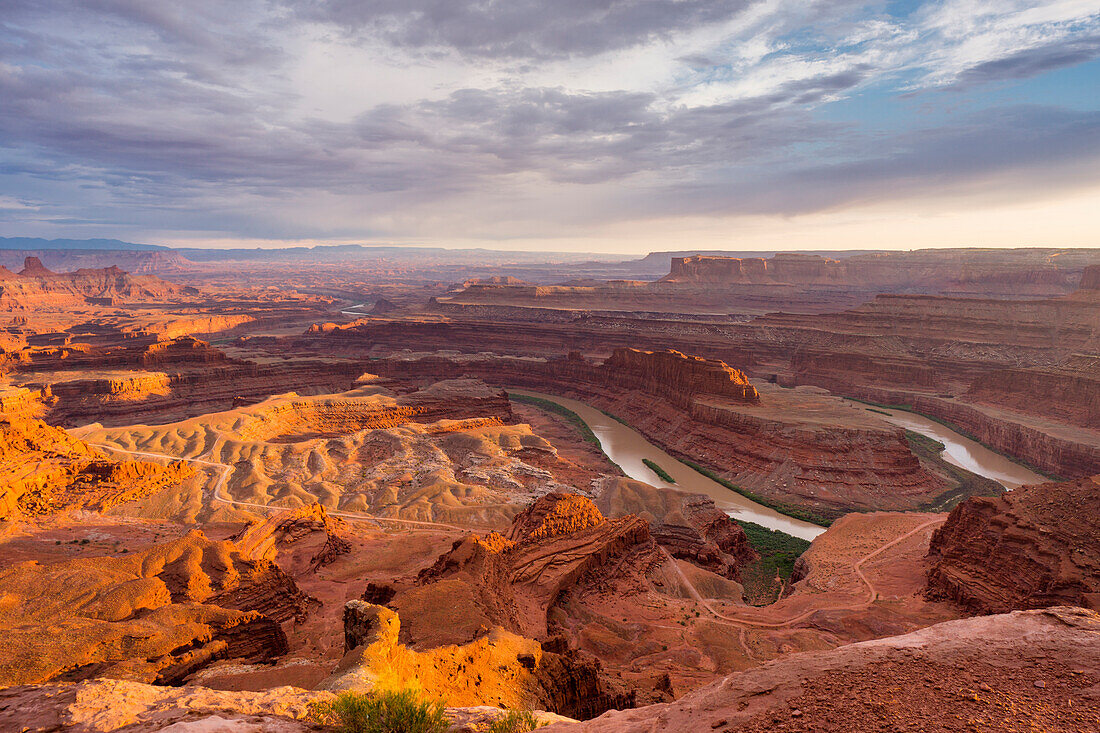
[37, 243]
[320, 254]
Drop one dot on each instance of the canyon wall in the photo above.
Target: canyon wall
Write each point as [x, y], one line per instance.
[792, 447]
[1021, 375]
[154, 616]
[37, 288]
[1030, 548]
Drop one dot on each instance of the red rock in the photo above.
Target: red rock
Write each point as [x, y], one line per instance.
[1034, 547]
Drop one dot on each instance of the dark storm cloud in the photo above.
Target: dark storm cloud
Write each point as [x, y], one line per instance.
[519, 29]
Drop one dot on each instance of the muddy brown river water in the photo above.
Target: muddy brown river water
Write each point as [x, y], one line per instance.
[965, 453]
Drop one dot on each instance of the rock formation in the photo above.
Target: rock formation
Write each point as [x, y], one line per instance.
[1033, 670]
[500, 669]
[44, 470]
[514, 580]
[1030, 548]
[689, 526]
[36, 287]
[153, 616]
[282, 532]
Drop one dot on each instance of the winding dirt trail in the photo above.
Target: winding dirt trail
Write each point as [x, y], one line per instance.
[857, 566]
[223, 478]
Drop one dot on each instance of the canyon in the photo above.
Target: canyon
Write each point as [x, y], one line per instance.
[230, 492]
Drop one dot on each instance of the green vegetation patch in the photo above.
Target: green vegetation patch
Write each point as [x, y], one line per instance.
[875, 409]
[661, 473]
[402, 711]
[778, 552]
[573, 418]
[516, 721]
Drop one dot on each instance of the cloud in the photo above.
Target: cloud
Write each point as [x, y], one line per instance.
[1032, 61]
[524, 116]
[519, 29]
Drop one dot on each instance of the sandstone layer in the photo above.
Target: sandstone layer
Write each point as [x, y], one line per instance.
[44, 470]
[449, 453]
[1030, 548]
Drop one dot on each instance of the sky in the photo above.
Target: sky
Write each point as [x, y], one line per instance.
[578, 125]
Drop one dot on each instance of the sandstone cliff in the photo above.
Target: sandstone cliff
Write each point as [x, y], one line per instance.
[1034, 547]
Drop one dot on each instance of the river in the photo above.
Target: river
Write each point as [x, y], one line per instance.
[627, 447]
[966, 453]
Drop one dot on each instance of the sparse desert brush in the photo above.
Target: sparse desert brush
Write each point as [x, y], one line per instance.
[403, 711]
[516, 721]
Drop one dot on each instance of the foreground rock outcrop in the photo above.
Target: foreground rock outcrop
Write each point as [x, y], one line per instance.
[106, 706]
[500, 669]
[1031, 670]
[1030, 548]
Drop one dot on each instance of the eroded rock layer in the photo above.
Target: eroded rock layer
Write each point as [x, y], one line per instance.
[154, 616]
[44, 470]
[1030, 548]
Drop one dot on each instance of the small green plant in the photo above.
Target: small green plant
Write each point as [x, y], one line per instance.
[661, 473]
[516, 721]
[403, 711]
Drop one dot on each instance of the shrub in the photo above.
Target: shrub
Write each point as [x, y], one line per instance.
[516, 721]
[382, 712]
